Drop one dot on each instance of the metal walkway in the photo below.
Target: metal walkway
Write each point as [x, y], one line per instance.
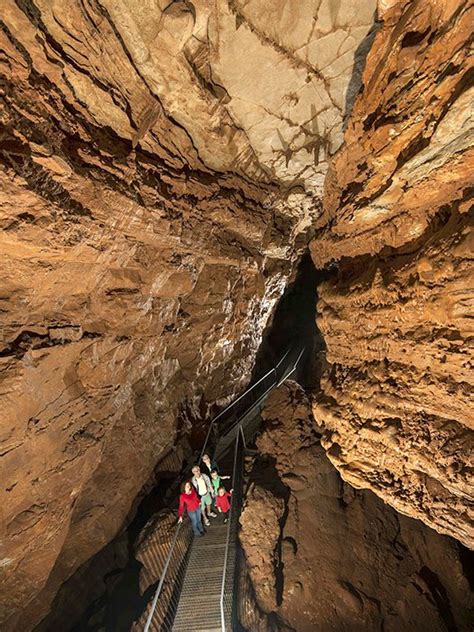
[197, 590]
[199, 607]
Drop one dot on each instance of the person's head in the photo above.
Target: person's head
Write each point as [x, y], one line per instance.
[214, 474]
[196, 471]
[221, 490]
[186, 487]
[206, 459]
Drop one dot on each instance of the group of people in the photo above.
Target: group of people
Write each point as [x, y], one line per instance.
[201, 492]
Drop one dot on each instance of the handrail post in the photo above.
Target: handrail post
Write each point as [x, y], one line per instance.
[243, 436]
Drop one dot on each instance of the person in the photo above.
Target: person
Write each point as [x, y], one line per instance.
[202, 484]
[223, 502]
[216, 481]
[208, 465]
[189, 499]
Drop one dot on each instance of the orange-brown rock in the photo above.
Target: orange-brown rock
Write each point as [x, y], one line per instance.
[156, 187]
[344, 560]
[396, 317]
[162, 169]
[259, 534]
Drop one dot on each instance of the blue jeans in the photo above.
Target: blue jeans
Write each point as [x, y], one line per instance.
[196, 523]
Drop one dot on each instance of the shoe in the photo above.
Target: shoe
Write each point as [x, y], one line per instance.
[213, 515]
[226, 520]
[207, 523]
[199, 535]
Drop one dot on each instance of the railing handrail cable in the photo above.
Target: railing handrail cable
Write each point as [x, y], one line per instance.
[237, 439]
[162, 579]
[229, 523]
[284, 377]
[233, 403]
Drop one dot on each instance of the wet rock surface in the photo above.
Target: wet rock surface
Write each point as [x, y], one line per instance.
[343, 560]
[395, 318]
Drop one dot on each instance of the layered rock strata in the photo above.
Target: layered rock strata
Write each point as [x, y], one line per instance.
[151, 206]
[396, 317]
[339, 558]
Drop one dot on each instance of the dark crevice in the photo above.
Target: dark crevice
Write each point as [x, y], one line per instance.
[293, 323]
[30, 340]
[439, 597]
[466, 557]
[413, 38]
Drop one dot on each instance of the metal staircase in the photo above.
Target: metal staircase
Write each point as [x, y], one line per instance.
[197, 589]
[211, 564]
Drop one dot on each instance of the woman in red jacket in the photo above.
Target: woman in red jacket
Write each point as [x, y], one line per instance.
[189, 499]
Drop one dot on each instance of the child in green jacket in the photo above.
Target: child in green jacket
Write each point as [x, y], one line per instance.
[216, 479]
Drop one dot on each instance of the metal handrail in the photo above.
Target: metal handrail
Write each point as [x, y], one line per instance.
[162, 579]
[235, 401]
[229, 524]
[241, 436]
[274, 384]
[229, 407]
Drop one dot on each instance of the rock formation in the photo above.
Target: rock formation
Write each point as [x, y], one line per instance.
[396, 316]
[260, 533]
[342, 560]
[156, 187]
[163, 166]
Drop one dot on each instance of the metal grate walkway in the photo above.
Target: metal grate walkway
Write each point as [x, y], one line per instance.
[199, 604]
[199, 589]
[199, 607]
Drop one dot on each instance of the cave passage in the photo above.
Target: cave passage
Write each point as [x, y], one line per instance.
[293, 323]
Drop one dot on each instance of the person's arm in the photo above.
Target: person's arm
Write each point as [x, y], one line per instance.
[226, 478]
[209, 487]
[181, 508]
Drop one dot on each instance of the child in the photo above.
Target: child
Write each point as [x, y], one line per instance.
[222, 501]
[216, 480]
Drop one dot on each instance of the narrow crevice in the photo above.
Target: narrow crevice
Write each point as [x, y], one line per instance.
[293, 323]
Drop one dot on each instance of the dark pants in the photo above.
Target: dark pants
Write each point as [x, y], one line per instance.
[195, 517]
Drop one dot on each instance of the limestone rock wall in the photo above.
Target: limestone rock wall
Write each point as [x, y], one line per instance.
[152, 205]
[343, 559]
[396, 316]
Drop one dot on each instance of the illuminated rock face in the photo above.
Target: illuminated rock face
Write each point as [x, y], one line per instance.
[331, 557]
[163, 167]
[396, 317]
[162, 164]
